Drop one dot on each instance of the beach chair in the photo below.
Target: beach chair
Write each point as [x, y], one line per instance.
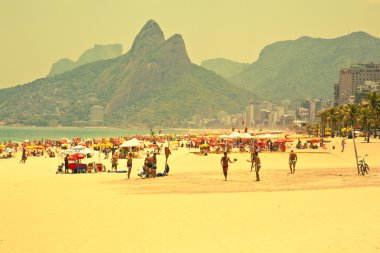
[99, 167]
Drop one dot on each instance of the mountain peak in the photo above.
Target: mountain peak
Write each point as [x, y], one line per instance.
[149, 37]
[174, 50]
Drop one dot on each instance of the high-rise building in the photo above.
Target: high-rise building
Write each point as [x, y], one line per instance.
[362, 91]
[351, 78]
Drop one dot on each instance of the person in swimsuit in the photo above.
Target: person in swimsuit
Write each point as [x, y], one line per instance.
[129, 164]
[292, 161]
[154, 167]
[252, 161]
[224, 162]
[257, 163]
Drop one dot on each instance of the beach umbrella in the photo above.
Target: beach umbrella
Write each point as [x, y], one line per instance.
[38, 147]
[314, 141]
[29, 147]
[64, 140]
[132, 143]
[9, 150]
[2, 146]
[204, 145]
[246, 136]
[235, 135]
[77, 156]
[82, 144]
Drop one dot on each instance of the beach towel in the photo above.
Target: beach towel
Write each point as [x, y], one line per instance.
[119, 171]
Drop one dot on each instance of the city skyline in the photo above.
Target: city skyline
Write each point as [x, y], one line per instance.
[37, 34]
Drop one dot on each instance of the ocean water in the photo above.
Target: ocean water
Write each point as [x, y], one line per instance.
[38, 133]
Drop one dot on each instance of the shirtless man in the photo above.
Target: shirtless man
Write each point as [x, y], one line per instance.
[257, 163]
[224, 162]
[292, 161]
[252, 161]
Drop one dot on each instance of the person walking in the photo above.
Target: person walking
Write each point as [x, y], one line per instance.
[292, 161]
[224, 162]
[23, 156]
[343, 143]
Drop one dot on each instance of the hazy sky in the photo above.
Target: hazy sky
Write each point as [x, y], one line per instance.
[36, 33]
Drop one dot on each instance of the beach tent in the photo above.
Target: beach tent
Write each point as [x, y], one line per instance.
[234, 135]
[246, 136]
[9, 150]
[268, 136]
[131, 143]
[78, 149]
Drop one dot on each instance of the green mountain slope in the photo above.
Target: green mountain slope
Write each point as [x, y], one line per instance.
[224, 67]
[97, 53]
[307, 66]
[154, 84]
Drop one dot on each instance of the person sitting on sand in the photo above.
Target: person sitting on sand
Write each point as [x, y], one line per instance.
[292, 161]
[60, 168]
[224, 162]
[148, 165]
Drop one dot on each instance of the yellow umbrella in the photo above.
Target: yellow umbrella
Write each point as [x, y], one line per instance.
[2, 146]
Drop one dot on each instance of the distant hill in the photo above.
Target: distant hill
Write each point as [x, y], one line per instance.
[97, 53]
[224, 67]
[306, 66]
[154, 84]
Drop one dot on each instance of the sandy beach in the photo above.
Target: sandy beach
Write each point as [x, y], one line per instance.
[324, 207]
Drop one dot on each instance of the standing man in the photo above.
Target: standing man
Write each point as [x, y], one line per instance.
[114, 162]
[257, 163]
[343, 144]
[252, 161]
[224, 162]
[129, 164]
[23, 156]
[167, 154]
[66, 164]
[292, 161]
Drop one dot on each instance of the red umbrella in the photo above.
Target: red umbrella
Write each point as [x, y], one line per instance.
[314, 141]
[76, 156]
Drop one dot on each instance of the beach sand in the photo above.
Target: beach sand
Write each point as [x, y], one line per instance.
[324, 207]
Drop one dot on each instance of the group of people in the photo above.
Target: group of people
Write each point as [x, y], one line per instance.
[149, 169]
[256, 163]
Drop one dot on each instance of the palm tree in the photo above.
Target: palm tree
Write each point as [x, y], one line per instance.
[352, 114]
[374, 105]
[323, 115]
[365, 120]
[333, 116]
